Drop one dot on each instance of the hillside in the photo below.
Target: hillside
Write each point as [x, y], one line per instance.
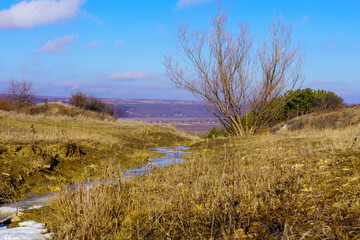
[155, 110]
[302, 182]
[323, 120]
[296, 184]
[48, 150]
[188, 116]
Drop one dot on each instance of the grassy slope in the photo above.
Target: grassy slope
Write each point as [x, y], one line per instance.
[303, 184]
[329, 120]
[44, 152]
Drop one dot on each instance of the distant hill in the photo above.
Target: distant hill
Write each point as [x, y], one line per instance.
[154, 110]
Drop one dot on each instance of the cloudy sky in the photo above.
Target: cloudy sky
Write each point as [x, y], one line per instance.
[114, 48]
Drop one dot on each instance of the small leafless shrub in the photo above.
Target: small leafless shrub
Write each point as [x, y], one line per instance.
[20, 94]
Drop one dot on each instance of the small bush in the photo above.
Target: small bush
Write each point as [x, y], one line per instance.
[78, 99]
[214, 133]
[5, 105]
[81, 100]
[97, 105]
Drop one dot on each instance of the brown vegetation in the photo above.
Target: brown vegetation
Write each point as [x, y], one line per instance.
[81, 100]
[44, 152]
[58, 111]
[291, 186]
[18, 96]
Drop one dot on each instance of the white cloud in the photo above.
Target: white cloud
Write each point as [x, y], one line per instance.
[93, 44]
[57, 45]
[73, 85]
[130, 75]
[28, 14]
[186, 3]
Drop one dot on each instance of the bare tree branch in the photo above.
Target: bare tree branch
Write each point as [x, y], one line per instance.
[217, 67]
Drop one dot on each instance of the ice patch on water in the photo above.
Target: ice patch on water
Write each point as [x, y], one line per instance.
[172, 156]
[11, 211]
[28, 231]
[8, 212]
[37, 207]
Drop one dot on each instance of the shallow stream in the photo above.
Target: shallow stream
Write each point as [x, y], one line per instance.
[33, 230]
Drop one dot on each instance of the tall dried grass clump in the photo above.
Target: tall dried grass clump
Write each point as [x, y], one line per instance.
[300, 186]
[94, 216]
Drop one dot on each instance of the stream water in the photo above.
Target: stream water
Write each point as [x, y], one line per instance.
[33, 230]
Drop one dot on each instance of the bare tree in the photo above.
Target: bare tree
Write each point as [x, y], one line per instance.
[240, 86]
[20, 94]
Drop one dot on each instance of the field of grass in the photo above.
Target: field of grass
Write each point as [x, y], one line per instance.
[323, 120]
[302, 184]
[47, 150]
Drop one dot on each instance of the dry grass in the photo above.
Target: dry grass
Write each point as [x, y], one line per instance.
[303, 185]
[22, 128]
[333, 119]
[44, 152]
[58, 110]
[94, 218]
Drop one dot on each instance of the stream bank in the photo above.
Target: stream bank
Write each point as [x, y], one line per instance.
[9, 211]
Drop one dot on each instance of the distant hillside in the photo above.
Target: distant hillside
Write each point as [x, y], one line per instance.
[155, 110]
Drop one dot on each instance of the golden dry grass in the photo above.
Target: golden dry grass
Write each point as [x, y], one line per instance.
[298, 185]
[44, 152]
[323, 120]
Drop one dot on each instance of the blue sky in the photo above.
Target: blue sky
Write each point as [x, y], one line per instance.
[114, 48]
